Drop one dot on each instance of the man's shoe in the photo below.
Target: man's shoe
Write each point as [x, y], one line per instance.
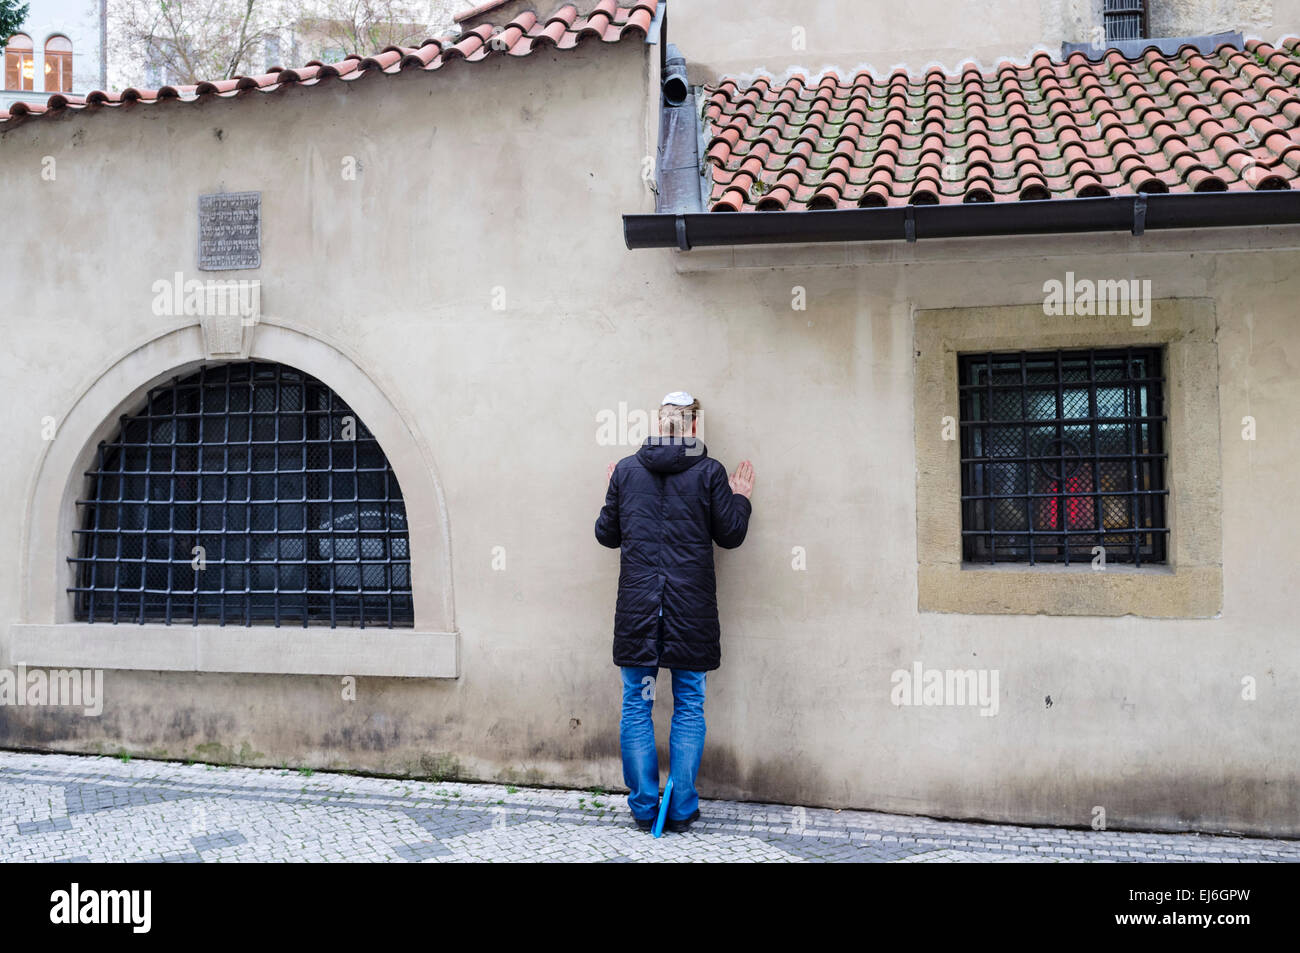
[648, 824]
[684, 825]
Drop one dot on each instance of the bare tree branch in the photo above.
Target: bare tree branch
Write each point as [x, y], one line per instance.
[187, 41]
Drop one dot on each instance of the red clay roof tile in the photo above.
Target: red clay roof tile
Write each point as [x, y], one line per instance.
[564, 29]
[1193, 122]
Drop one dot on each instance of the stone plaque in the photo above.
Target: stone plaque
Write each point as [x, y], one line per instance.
[230, 231]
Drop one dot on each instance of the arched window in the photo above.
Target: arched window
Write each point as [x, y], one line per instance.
[245, 493]
[20, 71]
[58, 65]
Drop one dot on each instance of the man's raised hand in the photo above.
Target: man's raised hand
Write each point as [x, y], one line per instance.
[609, 471]
[742, 480]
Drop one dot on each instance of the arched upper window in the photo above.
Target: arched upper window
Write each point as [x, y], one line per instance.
[20, 70]
[245, 493]
[58, 65]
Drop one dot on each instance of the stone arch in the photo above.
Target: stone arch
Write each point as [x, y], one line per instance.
[120, 387]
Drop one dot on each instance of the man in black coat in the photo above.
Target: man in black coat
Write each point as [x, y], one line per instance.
[665, 507]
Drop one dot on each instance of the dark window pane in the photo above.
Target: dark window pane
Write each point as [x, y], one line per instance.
[1062, 452]
[221, 501]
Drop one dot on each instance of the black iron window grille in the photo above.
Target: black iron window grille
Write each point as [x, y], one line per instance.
[1125, 19]
[243, 494]
[1061, 452]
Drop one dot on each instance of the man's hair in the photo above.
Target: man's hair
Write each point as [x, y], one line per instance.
[675, 421]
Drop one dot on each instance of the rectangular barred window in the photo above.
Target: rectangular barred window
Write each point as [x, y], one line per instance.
[1062, 452]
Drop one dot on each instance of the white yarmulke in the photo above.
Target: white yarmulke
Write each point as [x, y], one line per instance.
[679, 398]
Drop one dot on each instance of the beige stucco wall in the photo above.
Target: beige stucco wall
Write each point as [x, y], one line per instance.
[513, 176]
[728, 38]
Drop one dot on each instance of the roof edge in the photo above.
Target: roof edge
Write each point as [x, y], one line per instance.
[1164, 45]
[1135, 214]
[566, 29]
[1056, 55]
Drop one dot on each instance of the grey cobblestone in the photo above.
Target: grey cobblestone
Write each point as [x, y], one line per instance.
[77, 808]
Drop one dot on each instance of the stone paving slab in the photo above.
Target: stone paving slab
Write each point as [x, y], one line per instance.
[80, 808]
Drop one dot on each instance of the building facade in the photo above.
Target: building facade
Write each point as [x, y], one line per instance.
[56, 51]
[1011, 345]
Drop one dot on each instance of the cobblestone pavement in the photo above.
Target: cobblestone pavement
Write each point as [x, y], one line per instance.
[77, 808]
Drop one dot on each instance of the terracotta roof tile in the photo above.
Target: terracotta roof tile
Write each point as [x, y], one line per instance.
[566, 28]
[1229, 121]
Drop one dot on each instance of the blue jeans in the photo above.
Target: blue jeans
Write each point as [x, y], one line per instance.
[636, 738]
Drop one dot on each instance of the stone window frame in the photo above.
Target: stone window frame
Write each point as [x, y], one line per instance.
[47, 633]
[1190, 584]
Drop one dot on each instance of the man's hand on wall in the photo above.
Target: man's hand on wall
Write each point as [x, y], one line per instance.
[609, 471]
[742, 480]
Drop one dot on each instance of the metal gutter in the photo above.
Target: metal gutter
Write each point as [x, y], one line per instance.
[1115, 213]
[655, 33]
[677, 163]
[677, 166]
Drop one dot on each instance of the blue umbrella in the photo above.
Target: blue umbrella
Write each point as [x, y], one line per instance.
[658, 829]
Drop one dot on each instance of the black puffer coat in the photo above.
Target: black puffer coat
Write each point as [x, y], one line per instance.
[666, 506]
